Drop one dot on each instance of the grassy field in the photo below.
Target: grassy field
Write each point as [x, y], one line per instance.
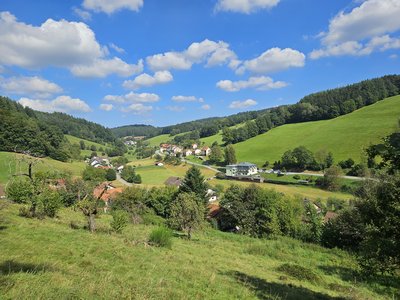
[345, 136]
[157, 140]
[154, 175]
[8, 166]
[75, 140]
[46, 259]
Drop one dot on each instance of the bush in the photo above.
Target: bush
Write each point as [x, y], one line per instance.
[119, 221]
[297, 177]
[111, 175]
[152, 219]
[161, 237]
[49, 202]
[299, 272]
[20, 190]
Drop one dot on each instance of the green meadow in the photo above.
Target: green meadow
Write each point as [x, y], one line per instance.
[35, 263]
[345, 136]
[75, 140]
[9, 166]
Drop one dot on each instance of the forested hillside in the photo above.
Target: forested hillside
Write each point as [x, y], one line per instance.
[42, 134]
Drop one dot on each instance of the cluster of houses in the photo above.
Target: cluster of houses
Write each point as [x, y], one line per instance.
[177, 150]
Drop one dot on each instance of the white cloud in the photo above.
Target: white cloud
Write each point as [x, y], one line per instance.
[181, 98]
[105, 67]
[133, 98]
[72, 45]
[31, 86]
[261, 83]
[61, 104]
[209, 52]
[116, 48]
[138, 108]
[245, 6]
[83, 14]
[206, 107]
[242, 104]
[363, 30]
[273, 60]
[106, 107]
[175, 108]
[146, 80]
[110, 7]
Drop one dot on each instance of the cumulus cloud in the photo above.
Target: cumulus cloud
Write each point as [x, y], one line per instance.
[245, 6]
[181, 98]
[83, 14]
[116, 48]
[106, 107]
[209, 52]
[110, 7]
[175, 108]
[133, 98]
[242, 104]
[61, 104]
[103, 68]
[261, 83]
[363, 30]
[33, 86]
[138, 108]
[146, 80]
[206, 107]
[72, 45]
[273, 60]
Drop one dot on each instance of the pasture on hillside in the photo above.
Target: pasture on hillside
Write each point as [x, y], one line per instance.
[345, 136]
[8, 166]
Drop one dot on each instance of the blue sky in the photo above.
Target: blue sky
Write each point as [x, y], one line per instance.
[162, 62]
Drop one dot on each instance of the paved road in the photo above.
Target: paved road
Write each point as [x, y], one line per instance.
[124, 182]
[200, 165]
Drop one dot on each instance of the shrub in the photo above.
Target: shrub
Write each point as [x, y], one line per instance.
[119, 221]
[161, 237]
[152, 219]
[49, 202]
[297, 177]
[299, 272]
[111, 175]
[20, 190]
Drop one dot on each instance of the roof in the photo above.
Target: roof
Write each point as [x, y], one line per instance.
[243, 164]
[329, 216]
[110, 193]
[205, 148]
[173, 181]
[213, 210]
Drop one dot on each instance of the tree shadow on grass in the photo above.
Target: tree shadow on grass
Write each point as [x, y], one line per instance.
[378, 283]
[9, 267]
[272, 290]
[3, 227]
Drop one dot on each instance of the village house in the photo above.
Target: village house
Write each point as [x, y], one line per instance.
[197, 151]
[194, 146]
[205, 151]
[211, 195]
[241, 169]
[187, 152]
[108, 196]
[99, 162]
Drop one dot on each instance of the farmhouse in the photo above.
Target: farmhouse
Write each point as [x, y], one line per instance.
[241, 169]
[205, 151]
[109, 195]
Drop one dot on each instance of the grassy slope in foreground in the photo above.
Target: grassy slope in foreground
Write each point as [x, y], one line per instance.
[7, 166]
[345, 136]
[47, 259]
